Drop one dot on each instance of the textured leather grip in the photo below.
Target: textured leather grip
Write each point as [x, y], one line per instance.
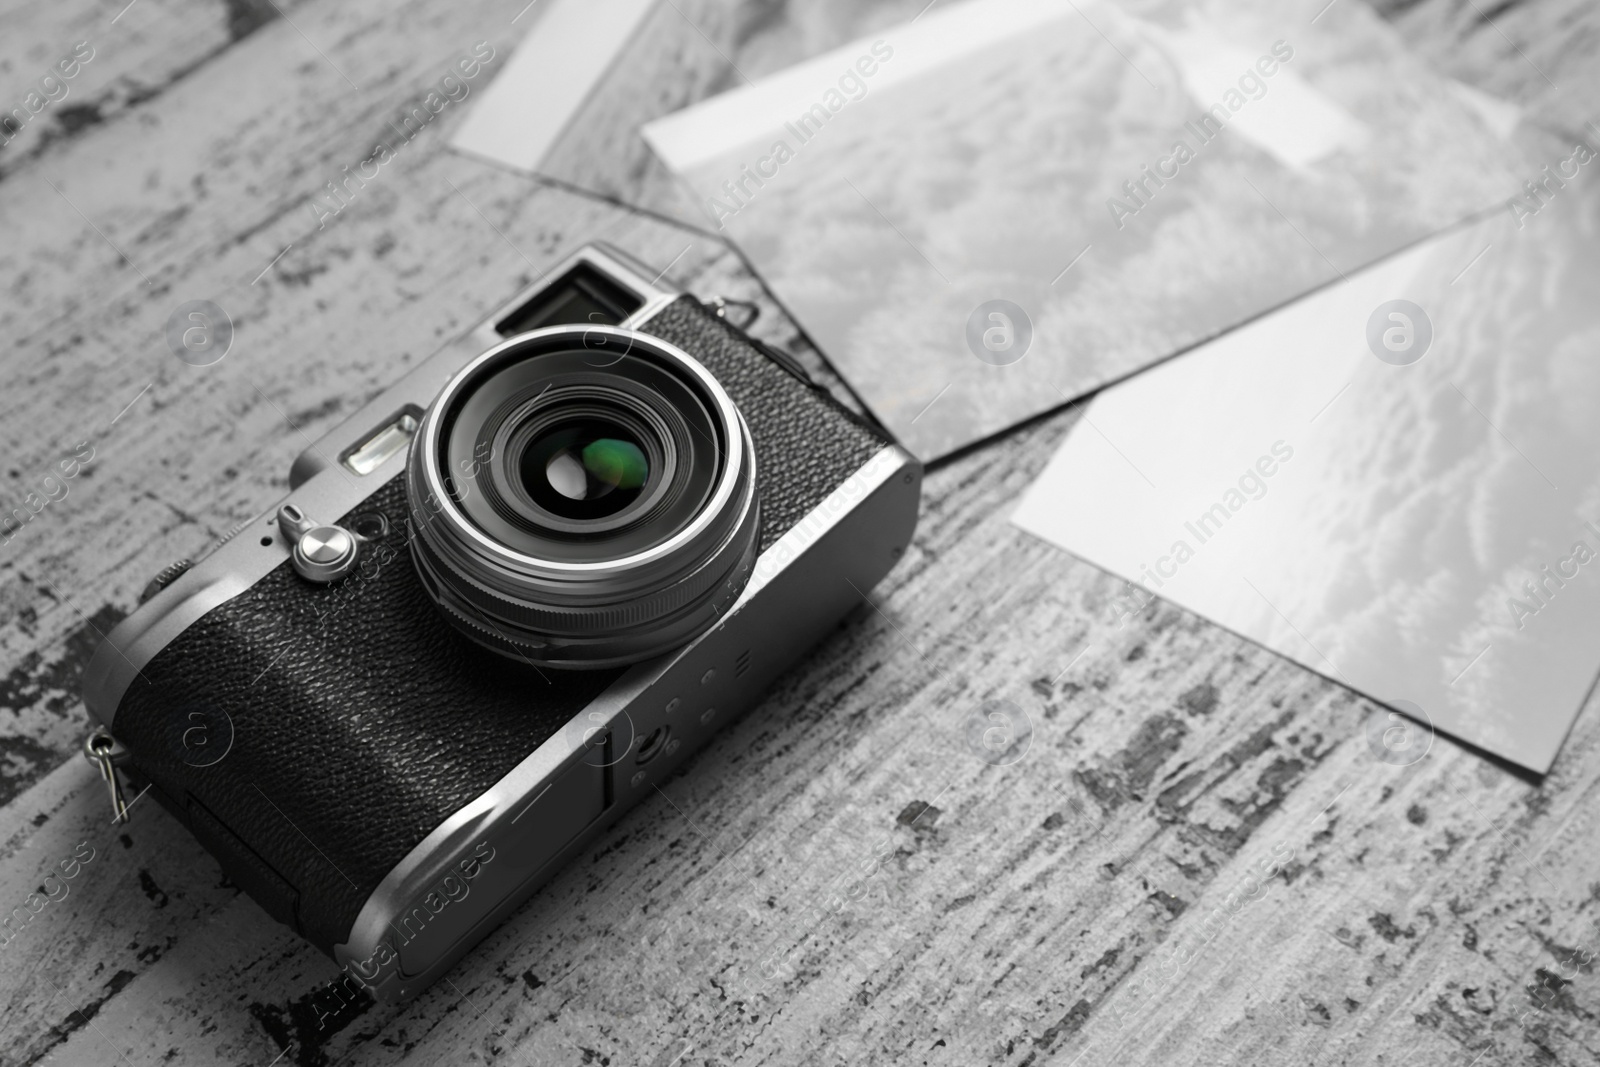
[361, 720]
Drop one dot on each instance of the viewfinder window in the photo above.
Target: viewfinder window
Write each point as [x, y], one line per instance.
[583, 295]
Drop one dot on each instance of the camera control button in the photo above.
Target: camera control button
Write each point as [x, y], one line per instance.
[169, 574]
[325, 553]
[322, 552]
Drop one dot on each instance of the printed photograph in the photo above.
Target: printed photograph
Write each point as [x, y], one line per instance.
[1392, 481]
[1134, 179]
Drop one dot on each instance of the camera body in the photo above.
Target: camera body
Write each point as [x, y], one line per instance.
[389, 752]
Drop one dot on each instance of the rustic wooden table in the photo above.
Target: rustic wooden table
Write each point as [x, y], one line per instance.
[838, 878]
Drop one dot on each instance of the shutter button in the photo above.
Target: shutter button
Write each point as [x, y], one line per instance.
[322, 552]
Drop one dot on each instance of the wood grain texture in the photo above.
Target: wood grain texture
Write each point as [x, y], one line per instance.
[838, 878]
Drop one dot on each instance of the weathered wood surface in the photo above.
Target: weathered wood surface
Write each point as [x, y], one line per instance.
[838, 878]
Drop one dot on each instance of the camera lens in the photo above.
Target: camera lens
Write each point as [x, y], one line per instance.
[585, 470]
[575, 507]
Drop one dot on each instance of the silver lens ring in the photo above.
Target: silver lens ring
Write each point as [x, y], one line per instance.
[580, 590]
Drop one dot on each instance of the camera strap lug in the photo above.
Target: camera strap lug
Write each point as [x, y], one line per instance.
[105, 752]
[718, 306]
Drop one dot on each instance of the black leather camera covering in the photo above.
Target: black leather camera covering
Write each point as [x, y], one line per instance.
[361, 720]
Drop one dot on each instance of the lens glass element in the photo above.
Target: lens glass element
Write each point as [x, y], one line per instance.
[585, 470]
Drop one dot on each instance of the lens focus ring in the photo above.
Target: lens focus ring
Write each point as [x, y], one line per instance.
[466, 595]
[578, 636]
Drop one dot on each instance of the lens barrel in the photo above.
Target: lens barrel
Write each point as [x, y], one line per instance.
[583, 496]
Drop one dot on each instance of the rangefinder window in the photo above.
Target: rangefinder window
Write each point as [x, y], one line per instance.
[583, 295]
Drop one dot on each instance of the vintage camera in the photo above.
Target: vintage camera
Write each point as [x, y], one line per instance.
[499, 604]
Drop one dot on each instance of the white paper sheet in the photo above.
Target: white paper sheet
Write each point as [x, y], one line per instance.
[570, 46]
[1423, 531]
[1019, 158]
